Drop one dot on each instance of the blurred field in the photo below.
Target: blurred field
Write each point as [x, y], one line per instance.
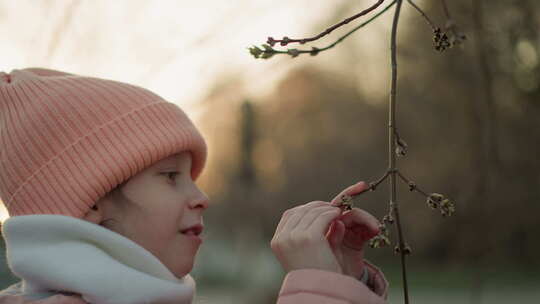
[428, 284]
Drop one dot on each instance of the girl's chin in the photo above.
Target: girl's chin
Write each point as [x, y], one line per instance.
[183, 274]
[182, 265]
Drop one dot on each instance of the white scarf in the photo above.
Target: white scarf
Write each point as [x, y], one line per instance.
[53, 253]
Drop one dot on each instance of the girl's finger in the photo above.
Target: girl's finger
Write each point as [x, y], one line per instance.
[297, 213]
[351, 190]
[322, 222]
[336, 234]
[359, 217]
[379, 284]
[285, 217]
[312, 215]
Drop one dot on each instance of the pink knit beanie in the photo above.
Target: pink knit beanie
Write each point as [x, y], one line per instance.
[67, 140]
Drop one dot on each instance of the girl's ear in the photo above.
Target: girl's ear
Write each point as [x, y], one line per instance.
[94, 215]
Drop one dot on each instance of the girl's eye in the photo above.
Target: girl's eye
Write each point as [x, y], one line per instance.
[171, 173]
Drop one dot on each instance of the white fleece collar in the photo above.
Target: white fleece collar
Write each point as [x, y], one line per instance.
[53, 253]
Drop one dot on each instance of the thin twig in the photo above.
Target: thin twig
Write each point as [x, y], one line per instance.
[346, 199]
[315, 51]
[412, 184]
[391, 154]
[373, 185]
[423, 14]
[450, 23]
[287, 40]
[358, 27]
[446, 11]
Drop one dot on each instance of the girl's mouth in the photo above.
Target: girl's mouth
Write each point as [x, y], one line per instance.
[193, 236]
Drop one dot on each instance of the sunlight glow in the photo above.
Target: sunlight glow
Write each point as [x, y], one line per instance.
[3, 212]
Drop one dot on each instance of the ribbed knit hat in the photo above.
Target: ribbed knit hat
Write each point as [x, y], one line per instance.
[66, 140]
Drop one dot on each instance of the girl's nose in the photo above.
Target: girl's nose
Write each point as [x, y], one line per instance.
[201, 201]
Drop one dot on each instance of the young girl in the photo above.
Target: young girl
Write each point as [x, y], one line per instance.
[98, 177]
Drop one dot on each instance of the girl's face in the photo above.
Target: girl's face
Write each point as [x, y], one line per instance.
[152, 207]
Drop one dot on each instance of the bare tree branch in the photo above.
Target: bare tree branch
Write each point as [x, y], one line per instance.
[286, 40]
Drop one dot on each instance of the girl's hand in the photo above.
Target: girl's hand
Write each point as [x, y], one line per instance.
[300, 241]
[349, 233]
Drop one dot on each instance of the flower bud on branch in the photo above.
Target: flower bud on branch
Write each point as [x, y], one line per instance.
[406, 250]
[346, 202]
[388, 219]
[380, 240]
[440, 40]
[447, 39]
[401, 148]
[438, 201]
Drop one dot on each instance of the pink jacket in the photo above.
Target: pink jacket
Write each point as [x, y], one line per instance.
[299, 286]
[318, 286]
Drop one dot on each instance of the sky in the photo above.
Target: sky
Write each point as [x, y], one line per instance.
[177, 49]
